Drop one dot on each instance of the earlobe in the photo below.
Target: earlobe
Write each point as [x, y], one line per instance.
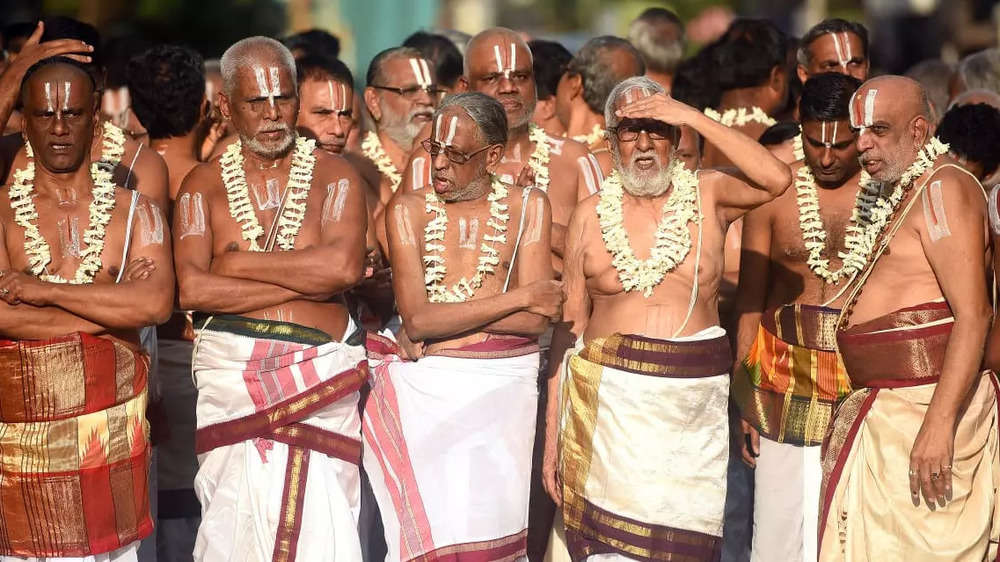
[802, 73]
[462, 85]
[371, 102]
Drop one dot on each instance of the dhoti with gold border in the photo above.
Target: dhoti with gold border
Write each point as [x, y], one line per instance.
[278, 442]
[74, 448]
[867, 512]
[644, 447]
[448, 442]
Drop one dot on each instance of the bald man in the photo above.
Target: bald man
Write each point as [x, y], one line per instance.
[267, 238]
[911, 467]
[583, 90]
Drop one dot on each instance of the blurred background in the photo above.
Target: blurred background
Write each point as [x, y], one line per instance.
[903, 31]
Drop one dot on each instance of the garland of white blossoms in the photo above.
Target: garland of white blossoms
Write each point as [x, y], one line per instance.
[797, 150]
[489, 257]
[539, 160]
[112, 145]
[238, 194]
[740, 116]
[36, 248]
[673, 238]
[596, 134]
[814, 234]
[372, 149]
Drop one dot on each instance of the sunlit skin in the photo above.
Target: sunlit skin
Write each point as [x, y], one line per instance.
[60, 110]
[526, 307]
[917, 269]
[773, 261]
[326, 113]
[825, 56]
[215, 271]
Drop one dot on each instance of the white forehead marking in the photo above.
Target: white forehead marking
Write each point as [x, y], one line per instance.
[833, 139]
[451, 130]
[49, 105]
[496, 53]
[275, 85]
[847, 46]
[839, 50]
[209, 90]
[66, 90]
[329, 88]
[427, 72]
[261, 81]
[823, 134]
[417, 74]
[343, 97]
[513, 59]
[645, 92]
[437, 128]
[870, 107]
[851, 110]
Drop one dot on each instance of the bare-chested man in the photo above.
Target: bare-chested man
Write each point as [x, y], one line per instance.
[799, 252]
[911, 467]
[326, 99]
[73, 369]
[272, 232]
[498, 64]
[451, 433]
[644, 444]
[133, 165]
[401, 95]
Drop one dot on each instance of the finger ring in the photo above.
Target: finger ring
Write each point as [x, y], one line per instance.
[913, 472]
[935, 476]
[946, 467]
[4, 291]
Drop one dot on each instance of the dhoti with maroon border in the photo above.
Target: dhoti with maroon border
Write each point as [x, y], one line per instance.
[74, 448]
[278, 442]
[867, 512]
[644, 447]
[448, 442]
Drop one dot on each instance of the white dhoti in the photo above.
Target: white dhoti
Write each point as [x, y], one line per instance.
[786, 502]
[278, 442]
[127, 553]
[448, 444]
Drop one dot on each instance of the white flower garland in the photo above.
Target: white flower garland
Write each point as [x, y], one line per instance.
[740, 116]
[539, 160]
[238, 194]
[112, 145]
[814, 234]
[797, 150]
[673, 238]
[489, 257]
[36, 248]
[596, 134]
[372, 149]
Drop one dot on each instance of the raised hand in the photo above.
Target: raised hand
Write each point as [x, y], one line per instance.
[660, 107]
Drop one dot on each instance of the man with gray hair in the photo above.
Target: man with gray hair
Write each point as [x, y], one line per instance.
[449, 431]
[980, 70]
[583, 90]
[266, 238]
[658, 34]
[642, 398]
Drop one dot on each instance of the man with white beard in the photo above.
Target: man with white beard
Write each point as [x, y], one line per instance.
[401, 95]
[643, 395]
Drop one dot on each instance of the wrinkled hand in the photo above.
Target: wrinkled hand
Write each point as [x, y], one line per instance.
[546, 298]
[413, 350]
[550, 463]
[660, 107]
[17, 288]
[750, 453]
[138, 269]
[930, 463]
[526, 178]
[33, 51]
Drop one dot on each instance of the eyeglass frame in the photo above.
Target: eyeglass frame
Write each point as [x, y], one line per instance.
[426, 143]
[658, 136]
[430, 90]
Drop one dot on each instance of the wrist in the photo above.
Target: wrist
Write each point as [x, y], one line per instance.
[50, 293]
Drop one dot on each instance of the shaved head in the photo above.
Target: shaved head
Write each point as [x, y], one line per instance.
[498, 63]
[493, 36]
[893, 118]
[254, 51]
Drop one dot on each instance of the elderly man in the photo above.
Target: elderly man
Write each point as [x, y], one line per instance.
[271, 232]
[74, 371]
[789, 376]
[980, 70]
[448, 437]
[658, 34]
[911, 466]
[640, 463]
[498, 63]
[583, 90]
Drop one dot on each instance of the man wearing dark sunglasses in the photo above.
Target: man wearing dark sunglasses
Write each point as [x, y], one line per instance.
[644, 443]
[473, 282]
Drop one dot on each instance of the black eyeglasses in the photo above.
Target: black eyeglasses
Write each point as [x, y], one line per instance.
[456, 156]
[411, 92]
[660, 131]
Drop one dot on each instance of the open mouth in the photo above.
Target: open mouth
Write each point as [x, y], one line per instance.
[441, 185]
[644, 163]
[421, 118]
[60, 147]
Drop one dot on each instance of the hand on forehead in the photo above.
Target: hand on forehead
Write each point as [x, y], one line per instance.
[632, 95]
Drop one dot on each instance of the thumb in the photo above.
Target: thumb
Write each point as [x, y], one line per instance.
[36, 35]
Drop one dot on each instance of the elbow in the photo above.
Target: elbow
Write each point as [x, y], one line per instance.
[416, 327]
[188, 297]
[782, 180]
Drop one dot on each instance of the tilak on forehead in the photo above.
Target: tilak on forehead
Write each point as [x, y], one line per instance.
[828, 142]
[863, 110]
[334, 106]
[635, 93]
[453, 124]
[842, 45]
[512, 62]
[52, 93]
[266, 90]
[421, 72]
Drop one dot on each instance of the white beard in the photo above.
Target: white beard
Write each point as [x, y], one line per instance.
[652, 183]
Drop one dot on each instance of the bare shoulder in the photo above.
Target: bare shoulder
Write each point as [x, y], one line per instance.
[585, 211]
[566, 149]
[205, 178]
